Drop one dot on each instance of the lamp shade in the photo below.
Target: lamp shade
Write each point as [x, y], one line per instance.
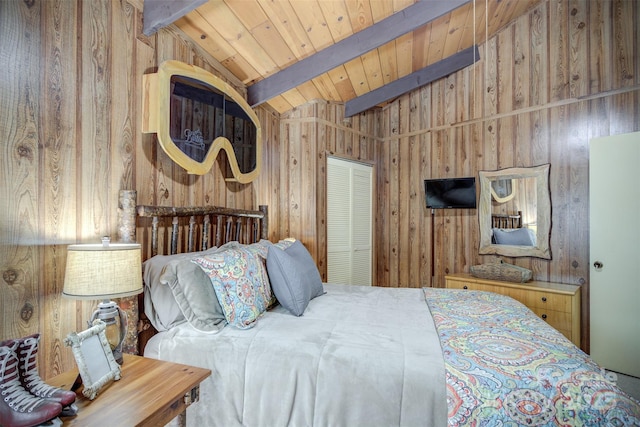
[103, 271]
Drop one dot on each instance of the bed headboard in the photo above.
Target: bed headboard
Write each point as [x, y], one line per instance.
[506, 220]
[165, 230]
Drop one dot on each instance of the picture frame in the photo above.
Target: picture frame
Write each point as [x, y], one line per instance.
[96, 364]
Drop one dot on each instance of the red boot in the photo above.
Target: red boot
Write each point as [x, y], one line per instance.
[18, 407]
[31, 381]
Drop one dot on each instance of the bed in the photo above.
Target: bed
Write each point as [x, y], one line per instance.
[307, 353]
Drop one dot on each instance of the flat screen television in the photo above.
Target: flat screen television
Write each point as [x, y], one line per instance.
[450, 193]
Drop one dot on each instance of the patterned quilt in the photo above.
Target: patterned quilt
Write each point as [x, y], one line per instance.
[507, 367]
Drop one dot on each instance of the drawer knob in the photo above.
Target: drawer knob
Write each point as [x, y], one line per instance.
[544, 299]
[544, 316]
[465, 287]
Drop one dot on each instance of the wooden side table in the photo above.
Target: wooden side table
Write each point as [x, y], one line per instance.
[150, 393]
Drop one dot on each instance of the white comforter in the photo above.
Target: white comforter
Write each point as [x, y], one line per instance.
[359, 356]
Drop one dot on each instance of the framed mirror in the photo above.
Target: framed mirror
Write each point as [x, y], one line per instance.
[196, 115]
[514, 212]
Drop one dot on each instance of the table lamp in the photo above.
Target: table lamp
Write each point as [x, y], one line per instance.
[105, 271]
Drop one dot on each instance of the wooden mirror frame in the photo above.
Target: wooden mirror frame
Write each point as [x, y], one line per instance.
[543, 216]
[156, 118]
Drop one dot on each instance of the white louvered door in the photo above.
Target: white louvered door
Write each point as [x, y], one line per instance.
[349, 222]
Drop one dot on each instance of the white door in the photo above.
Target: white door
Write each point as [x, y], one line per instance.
[614, 204]
[349, 222]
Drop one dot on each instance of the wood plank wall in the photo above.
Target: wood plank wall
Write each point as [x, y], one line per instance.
[70, 132]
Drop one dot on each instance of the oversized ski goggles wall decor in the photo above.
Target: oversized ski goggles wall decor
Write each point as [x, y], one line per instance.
[195, 115]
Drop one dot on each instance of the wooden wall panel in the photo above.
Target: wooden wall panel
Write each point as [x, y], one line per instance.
[392, 198]
[268, 189]
[20, 158]
[59, 219]
[558, 50]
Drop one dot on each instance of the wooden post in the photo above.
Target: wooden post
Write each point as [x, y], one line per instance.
[127, 234]
[127, 216]
[264, 229]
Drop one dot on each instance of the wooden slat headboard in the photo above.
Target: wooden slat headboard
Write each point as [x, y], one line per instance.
[506, 220]
[217, 226]
[163, 230]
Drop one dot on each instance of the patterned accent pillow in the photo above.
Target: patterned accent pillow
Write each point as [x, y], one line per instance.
[261, 249]
[240, 281]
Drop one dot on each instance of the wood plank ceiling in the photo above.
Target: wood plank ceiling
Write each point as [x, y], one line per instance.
[255, 39]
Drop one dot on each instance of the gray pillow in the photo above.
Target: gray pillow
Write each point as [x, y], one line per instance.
[160, 305]
[194, 295]
[287, 281]
[294, 277]
[515, 237]
[300, 253]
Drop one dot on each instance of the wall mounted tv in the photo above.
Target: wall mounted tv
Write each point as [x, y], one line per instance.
[450, 193]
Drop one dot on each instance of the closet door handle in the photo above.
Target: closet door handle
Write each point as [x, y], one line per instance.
[544, 299]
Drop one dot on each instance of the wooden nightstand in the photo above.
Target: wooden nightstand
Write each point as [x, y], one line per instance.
[150, 393]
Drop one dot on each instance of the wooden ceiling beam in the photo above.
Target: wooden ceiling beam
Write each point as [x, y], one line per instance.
[160, 13]
[352, 47]
[412, 81]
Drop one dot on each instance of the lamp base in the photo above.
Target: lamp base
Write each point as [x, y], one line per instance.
[116, 322]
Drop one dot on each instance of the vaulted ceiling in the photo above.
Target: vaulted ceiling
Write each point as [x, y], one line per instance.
[294, 51]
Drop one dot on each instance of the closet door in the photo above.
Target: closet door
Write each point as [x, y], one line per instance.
[614, 205]
[349, 222]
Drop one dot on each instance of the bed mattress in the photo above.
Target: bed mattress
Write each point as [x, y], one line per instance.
[358, 356]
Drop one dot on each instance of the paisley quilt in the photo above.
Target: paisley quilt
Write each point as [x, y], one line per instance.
[507, 367]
